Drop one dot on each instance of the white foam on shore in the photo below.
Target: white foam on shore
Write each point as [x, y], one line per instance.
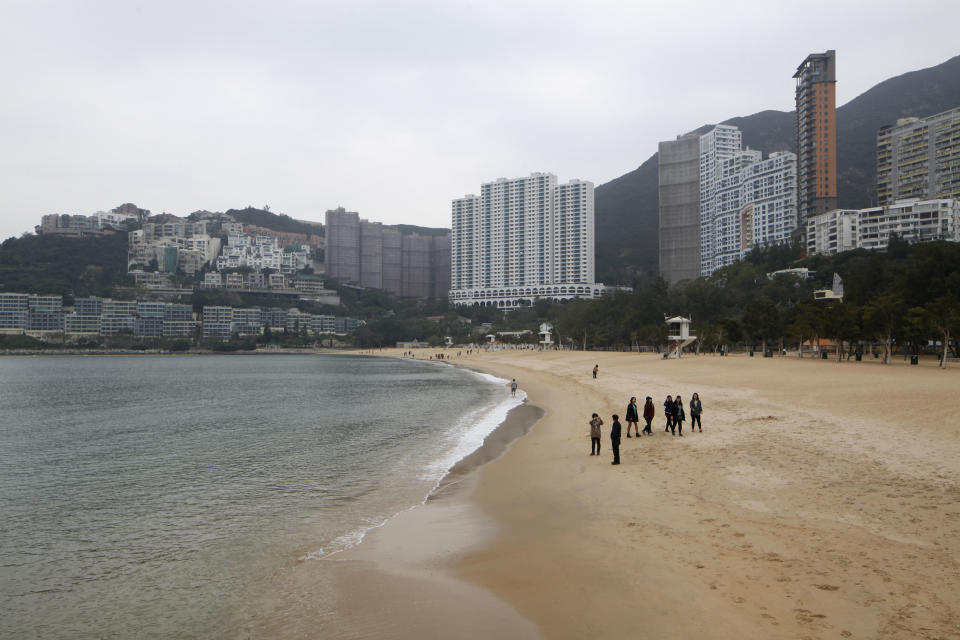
[467, 435]
[469, 432]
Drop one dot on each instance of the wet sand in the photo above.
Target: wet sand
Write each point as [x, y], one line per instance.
[400, 582]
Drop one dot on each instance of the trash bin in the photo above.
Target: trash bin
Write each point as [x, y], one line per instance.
[751, 354]
[824, 355]
[859, 357]
[914, 360]
[768, 354]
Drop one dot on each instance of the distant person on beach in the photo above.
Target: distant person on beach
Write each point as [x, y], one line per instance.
[633, 417]
[678, 415]
[648, 412]
[595, 424]
[513, 387]
[695, 410]
[596, 368]
[668, 412]
[615, 439]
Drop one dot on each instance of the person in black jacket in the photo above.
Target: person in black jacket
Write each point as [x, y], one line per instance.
[668, 412]
[678, 415]
[615, 439]
[633, 417]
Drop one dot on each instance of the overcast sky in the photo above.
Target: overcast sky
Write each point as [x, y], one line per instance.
[393, 109]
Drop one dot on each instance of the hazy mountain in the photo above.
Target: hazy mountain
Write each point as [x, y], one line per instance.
[627, 207]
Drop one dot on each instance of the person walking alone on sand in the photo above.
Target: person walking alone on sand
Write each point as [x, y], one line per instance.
[633, 417]
[678, 415]
[668, 412]
[695, 410]
[648, 412]
[615, 439]
[595, 424]
[596, 368]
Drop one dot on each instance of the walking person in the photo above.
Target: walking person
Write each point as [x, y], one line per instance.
[615, 439]
[678, 415]
[596, 368]
[695, 410]
[513, 387]
[633, 417]
[648, 412]
[668, 414]
[595, 424]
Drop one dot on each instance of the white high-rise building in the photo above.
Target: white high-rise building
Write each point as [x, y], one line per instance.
[719, 144]
[523, 239]
[745, 201]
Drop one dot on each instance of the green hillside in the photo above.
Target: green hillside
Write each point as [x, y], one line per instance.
[61, 265]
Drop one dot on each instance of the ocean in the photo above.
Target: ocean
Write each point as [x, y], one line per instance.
[158, 497]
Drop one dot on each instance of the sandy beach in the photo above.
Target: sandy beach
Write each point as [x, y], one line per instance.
[821, 500]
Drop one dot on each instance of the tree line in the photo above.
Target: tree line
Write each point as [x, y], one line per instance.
[905, 299]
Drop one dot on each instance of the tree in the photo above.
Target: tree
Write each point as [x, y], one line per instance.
[807, 320]
[841, 323]
[883, 318]
[943, 315]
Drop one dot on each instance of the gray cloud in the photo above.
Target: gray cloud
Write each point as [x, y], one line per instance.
[389, 108]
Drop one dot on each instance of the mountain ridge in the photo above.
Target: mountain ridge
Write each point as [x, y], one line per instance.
[626, 209]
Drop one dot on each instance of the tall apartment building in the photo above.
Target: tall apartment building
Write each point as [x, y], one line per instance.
[719, 144]
[372, 255]
[816, 100]
[523, 239]
[679, 195]
[744, 201]
[919, 158]
[913, 220]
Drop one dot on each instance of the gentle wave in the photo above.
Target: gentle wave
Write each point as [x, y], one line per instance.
[466, 436]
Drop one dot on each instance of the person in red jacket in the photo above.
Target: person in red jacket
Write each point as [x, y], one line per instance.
[648, 412]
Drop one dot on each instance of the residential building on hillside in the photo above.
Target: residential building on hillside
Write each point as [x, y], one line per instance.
[719, 144]
[173, 243]
[523, 239]
[816, 102]
[679, 209]
[98, 224]
[919, 158]
[745, 201]
[912, 220]
[375, 256]
[42, 315]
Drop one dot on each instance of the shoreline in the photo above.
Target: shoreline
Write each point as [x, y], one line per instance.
[406, 566]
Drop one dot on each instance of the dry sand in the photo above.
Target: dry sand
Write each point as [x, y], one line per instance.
[822, 500]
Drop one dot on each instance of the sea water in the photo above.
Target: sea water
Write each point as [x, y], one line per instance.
[150, 496]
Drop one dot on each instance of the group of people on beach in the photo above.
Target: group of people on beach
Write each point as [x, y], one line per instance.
[673, 411]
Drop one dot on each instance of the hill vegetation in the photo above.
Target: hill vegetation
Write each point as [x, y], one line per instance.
[66, 266]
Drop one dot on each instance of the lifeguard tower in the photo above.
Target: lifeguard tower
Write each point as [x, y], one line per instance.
[546, 335]
[678, 332]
